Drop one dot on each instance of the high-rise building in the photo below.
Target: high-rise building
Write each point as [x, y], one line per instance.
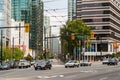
[5, 20]
[71, 9]
[36, 30]
[21, 10]
[103, 16]
[30, 11]
[47, 33]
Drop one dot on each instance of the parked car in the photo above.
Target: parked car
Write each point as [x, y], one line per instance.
[5, 66]
[32, 62]
[24, 64]
[85, 63]
[42, 64]
[105, 61]
[113, 61]
[71, 63]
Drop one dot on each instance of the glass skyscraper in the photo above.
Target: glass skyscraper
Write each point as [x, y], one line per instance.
[30, 11]
[71, 9]
[21, 10]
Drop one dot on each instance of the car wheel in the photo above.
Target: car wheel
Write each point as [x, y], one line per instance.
[35, 68]
[49, 68]
[65, 66]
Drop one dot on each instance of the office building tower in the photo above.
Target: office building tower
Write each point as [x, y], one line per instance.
[5, 20]
[30, 11]
[103, 16]
[71, 9]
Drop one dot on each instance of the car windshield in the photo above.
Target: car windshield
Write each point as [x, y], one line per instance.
[69, 61]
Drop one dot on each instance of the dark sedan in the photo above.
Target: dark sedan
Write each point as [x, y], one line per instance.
[42, 64]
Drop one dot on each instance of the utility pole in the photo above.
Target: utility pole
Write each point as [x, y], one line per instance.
[13, 48]
[1, 47]
[19, 33]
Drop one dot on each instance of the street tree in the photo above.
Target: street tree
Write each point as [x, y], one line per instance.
[73, 29]
[10, 53]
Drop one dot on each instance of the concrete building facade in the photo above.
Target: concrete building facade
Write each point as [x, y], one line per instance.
[103, 16]
[5, 19]
[21, 41]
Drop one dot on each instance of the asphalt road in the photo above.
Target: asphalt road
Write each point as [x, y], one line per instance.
[95, 72]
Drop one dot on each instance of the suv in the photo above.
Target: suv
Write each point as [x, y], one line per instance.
[113, 61]
[24, 64]
[42, 64]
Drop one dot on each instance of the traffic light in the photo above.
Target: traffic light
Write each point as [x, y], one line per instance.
[72, 36]
[47, 50]
[92, 35]
[115, 45]
[26, 27]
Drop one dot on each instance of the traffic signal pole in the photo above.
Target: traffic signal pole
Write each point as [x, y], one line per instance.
[19, 33]
[1, 47]
[26, 27]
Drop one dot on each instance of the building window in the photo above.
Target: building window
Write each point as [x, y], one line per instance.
[106, 27]
[88, 20]
[106, 12]
[105, 4]
[106, 19]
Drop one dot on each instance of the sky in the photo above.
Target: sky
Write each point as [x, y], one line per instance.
[57, 10]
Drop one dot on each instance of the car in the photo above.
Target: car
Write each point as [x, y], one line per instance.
[32, 62]
[113, 61]
[24, 64]
[5, 66]
[42, 65]
[105, 61]
[71, 63]
[85, 63]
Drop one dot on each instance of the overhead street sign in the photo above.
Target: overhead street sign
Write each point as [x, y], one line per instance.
[82, 37]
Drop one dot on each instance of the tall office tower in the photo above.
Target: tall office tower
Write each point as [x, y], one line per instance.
[21, 10]
[30, 11]
[5, 19]
[36, 36]
[103, 16]
[71, 9]
[47, 33]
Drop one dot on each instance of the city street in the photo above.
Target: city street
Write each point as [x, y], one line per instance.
[95, 72]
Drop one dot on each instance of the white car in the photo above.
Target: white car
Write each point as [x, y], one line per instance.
[85, 63]
[24, 64]
[105, 61]
[71, 63]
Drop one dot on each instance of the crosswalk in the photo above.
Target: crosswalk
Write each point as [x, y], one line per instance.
[48, 77]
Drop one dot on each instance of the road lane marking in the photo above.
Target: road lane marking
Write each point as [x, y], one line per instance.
[54, 76]
[89, 71]
[46, 77]
[39, 77]
[61, 75]
[104, 78]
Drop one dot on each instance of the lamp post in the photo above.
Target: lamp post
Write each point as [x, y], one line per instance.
[13, 48]
[1, 47]
[101, 48]
[46, 41]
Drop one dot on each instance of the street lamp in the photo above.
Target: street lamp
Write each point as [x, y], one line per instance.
[1, 48]
[13, 44]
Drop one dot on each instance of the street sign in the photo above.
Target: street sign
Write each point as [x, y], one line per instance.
[82, 36]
